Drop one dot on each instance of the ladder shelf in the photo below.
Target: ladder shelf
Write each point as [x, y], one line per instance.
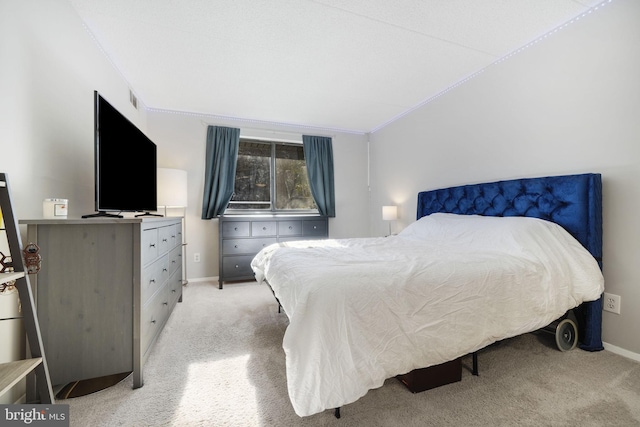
[12, 372]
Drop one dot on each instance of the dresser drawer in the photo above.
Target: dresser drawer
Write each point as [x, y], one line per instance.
[154, 314]
[314, 227]
[166, 239]
[149, 245]
[165, 263]
[175, 235]
[235, 228]
[246, 246]
[174, 287]
[290, 228]
[153, 277]
[237, 266]
[175, 258]
[178, 233]
[263, 228]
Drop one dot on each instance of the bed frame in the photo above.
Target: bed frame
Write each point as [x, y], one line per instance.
[572, 201]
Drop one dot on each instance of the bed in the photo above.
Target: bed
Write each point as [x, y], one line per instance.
[482, 263]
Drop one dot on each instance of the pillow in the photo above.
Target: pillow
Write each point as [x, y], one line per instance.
[487, 232]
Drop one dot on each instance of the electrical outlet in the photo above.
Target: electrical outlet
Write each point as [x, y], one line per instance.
[612, 303]
[196, 257]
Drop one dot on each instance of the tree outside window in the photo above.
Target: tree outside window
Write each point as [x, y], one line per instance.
[271, 176]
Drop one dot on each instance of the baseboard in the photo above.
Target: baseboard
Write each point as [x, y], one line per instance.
[621, 351]
[203, 279]
[213, 279]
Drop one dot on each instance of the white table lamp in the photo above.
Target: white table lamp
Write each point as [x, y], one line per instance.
[172, 188]
[389, 213]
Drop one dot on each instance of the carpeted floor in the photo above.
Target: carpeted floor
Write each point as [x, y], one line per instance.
[219, 362]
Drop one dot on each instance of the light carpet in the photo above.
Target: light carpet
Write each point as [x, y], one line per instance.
[219, 362]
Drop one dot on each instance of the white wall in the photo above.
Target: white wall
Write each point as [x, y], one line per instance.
[50, 68]
[569, 104]
[181, 140]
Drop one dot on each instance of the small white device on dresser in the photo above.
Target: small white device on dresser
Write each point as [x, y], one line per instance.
[55, 208]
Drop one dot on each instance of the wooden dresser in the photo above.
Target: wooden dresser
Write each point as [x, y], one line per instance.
[242, 237]
[104, 292]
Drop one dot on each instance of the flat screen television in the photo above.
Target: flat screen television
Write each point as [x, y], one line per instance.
[125, 164]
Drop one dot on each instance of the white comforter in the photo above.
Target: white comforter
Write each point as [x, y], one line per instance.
[364, 310]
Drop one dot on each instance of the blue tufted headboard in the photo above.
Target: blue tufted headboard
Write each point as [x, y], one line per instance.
[572, 201]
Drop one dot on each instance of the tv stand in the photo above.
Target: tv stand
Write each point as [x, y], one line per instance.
[102, 214]
[148, 214]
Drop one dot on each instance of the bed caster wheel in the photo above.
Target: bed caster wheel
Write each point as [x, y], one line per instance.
[566, 335]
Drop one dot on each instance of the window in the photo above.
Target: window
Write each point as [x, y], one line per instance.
[271, 176]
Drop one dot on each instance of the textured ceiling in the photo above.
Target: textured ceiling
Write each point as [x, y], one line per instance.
[339, 64]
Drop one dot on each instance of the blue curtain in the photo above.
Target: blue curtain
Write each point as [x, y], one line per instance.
[220, 169]
[318, 153]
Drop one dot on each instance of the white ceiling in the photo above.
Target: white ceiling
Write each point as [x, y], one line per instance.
[339, 64]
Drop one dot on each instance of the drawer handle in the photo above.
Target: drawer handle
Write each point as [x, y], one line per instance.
[235, 229]
[164, 240]
[153, 321]
[236, 246]
[164, 269]
[290, 227]
[173, 290]
[173, 237]
[165, 303]
[264, 228]
[315, 227]
[237, 266]
[152, 245]
[152, 281]
[173, 261]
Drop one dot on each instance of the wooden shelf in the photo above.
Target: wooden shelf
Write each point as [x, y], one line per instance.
[12, 372]
[7, 277]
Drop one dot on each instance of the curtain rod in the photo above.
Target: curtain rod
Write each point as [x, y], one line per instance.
[283, 132]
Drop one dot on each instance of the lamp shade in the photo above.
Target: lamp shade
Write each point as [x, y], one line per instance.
[172, 187]
[389, 213]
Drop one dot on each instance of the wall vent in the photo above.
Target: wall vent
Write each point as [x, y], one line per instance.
[133, 99]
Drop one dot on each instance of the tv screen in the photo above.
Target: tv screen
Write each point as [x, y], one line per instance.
[125, 163]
